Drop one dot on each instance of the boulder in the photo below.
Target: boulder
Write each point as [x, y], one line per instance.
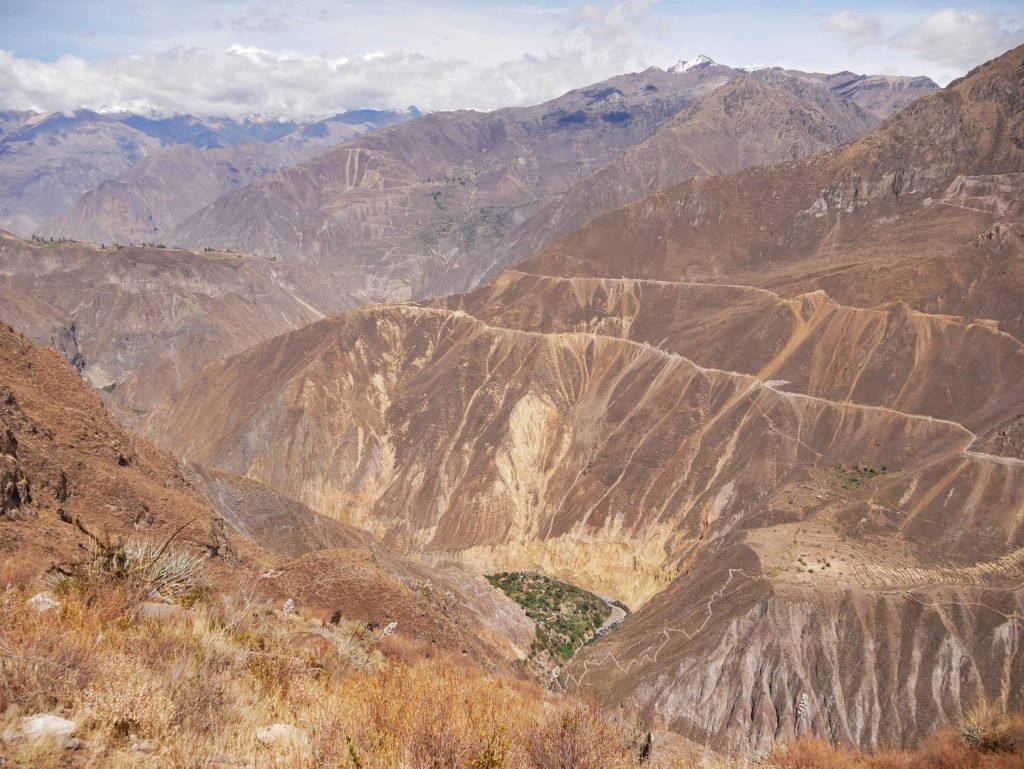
[47, 725]
[158, 611]
[43, 602]
[284, 736]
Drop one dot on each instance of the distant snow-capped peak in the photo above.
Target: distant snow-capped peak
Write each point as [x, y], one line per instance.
[685, 66]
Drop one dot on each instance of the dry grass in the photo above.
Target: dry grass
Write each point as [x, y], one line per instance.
[191, 691]
[987, 740]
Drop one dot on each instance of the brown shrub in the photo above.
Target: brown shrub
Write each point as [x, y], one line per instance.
[577, 737]
[200, 683]
[809, 754]
[405, 650]
[40, 660]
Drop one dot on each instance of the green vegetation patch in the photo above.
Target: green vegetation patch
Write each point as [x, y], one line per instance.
[51, 242]
[566, 616]
[852, 477]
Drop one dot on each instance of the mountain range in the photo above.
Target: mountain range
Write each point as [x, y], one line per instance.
[430, 206]
[48, 160]
[776, 413]
[740, 350]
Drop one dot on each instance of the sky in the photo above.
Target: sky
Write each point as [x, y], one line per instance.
[317, 57]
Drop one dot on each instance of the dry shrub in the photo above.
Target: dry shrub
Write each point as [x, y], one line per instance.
[200, 683]
[988, 740]
[888, 759]
[15, 572]
[126, 699]
[132, 572]
[809, 754]
[990, 730]
[405, 650]
[999, 747]
[41, 661]
[577, 737]
[435, 742]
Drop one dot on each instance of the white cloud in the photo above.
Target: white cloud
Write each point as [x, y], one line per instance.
[595, 42]
[959, 38]
[857, 29]
[953, 39]
[311, 58]
[610, 23]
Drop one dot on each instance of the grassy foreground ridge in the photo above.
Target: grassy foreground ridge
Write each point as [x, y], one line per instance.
[222, 678]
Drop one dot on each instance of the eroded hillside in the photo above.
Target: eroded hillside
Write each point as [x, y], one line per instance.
[435, 205]
[67, 468]
[776, 411]
[141, 321]
[429, 206]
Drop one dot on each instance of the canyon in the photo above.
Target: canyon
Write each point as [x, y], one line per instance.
[741, 350]
[776, 413]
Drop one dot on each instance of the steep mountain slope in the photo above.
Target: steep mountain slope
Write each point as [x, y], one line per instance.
[61, 451]
[209, 132]
[12, 119]
[415, 201]
[436, 205]
[758, 119]
[880, 95]
[622, 467]
[716, 134]
[752, 119]
[64, 459]
[47, 161]
[776, 413]
[145, 320]
[346, 125]
[148, 200]
[924, 210]
[211, 158]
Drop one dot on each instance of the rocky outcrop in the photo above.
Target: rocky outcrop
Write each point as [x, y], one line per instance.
[14, 489]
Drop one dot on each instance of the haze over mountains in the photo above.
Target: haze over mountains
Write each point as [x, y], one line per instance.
[417, 208]
[431, 206]
[47, 161]
[146, 320]
[742, 350]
